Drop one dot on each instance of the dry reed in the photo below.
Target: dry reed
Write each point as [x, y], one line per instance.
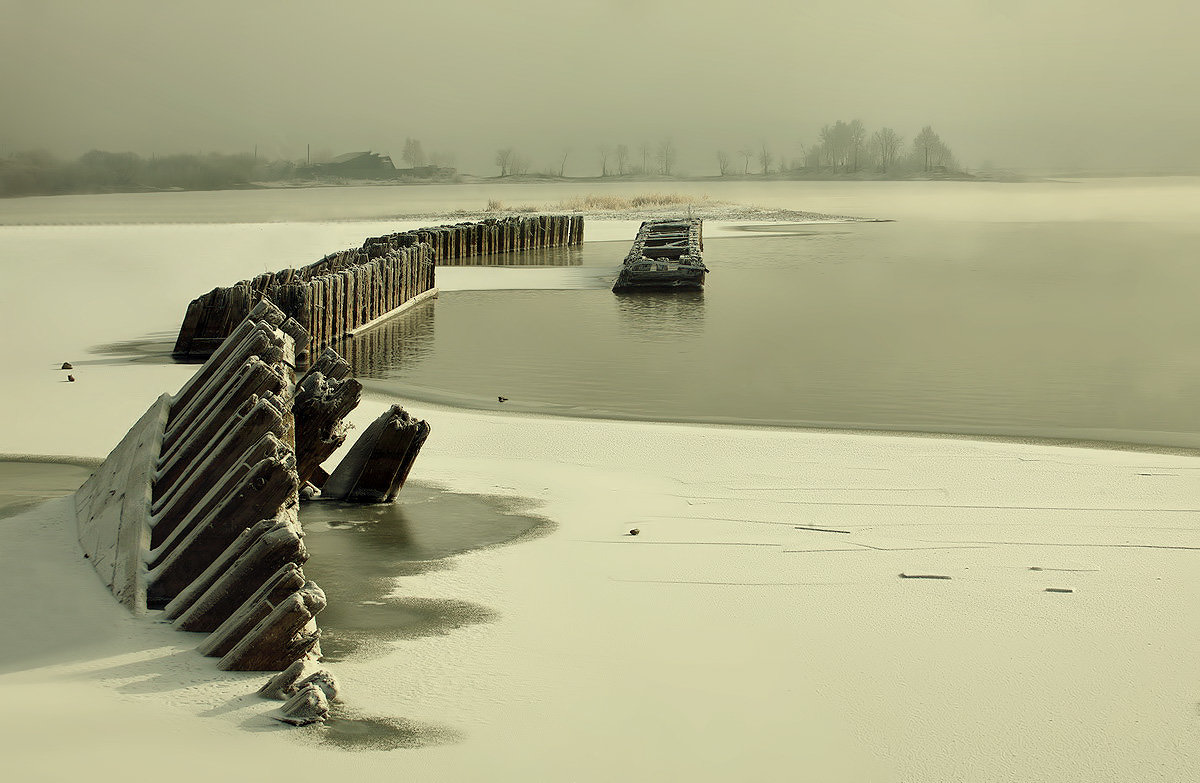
[593, 201]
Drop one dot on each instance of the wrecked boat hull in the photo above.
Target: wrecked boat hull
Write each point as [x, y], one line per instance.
[665, 257]
[667, 280]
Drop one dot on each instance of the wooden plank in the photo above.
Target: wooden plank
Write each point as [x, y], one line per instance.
[258, 495]
[191, 476]
[113, 508]
[218, 567]
[280, 638]
[279, 546]
[209, 409]
[284, 582]
[175, 521]
[376, 466]
[264, 312]
[320, 408]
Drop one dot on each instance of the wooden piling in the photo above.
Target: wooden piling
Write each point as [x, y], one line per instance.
[342, 291]
[280, 637]
[377, 465]
[286, 580]
[278, 547]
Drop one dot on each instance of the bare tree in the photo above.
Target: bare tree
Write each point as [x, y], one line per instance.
[801, 161]
[829, 145]
[885, 142]
[504, 159]
[814, 156]
[413, 155]
[856, 136]
[519, 164]
[562, 163]
[666, 156]
[723, 162]
[929, 151]
[622, 158]
[746, 153]
[765, 158]
[605, 151]
[840, 145]
[645, 150]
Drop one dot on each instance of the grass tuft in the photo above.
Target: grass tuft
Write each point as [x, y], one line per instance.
[593, 201]
[496, 205]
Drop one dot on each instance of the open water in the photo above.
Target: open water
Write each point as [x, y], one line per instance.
[1051, 309]
[1079, 325]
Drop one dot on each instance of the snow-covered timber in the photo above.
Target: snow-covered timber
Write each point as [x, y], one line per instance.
[324, 396]
[351, 290]
[377, 465]
[196, 510]
[665, 256]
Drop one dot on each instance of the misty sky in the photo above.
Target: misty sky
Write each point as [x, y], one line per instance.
[1023, 83]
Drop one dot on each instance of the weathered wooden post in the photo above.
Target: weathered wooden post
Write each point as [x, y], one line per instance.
[379, 462]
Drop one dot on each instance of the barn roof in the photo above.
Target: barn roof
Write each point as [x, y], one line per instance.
[349, 156]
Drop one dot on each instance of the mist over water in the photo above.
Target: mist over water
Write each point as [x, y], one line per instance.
[1057, 309]
[1058, 328]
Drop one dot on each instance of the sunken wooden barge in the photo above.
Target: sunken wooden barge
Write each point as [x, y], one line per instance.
[665, 257]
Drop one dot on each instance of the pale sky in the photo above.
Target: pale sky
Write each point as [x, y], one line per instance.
[1023, 83]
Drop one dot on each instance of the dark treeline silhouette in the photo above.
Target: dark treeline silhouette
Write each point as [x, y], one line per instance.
[40, 173]
[37, 173]
[849, 149]
[842, 149]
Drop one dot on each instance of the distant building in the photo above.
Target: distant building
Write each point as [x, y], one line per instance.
[360, 165]
[371, 165]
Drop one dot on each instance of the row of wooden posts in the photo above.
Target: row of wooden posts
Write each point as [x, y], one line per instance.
[196, 512]
[352, 289]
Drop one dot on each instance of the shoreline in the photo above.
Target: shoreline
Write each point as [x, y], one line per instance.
[541, 179]
[740, 600]
[443, 401]
[715, 211]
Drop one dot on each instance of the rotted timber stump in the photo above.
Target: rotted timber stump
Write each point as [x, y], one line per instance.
[375, 469]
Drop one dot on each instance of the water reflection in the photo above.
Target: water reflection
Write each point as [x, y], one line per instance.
[154, 348]
[791, 229]
[660, 316]
[28, 482]
[357, 552]
[546, 256]
[400, 341]
[1049, 329]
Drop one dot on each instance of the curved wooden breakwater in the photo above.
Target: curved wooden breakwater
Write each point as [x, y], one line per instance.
[197, 511]
[352, 290]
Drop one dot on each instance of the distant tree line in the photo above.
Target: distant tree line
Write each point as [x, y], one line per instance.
[620, 160]
[841, 149]
[40, 173]
[414, 155]
[646, 159]
[848, 148]
[37, 172]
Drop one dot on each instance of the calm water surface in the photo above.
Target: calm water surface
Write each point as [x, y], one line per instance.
[1057, 309]
[1077, 330]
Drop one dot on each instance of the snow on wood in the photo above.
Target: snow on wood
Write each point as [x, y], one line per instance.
[347, 291]
[196, 512]
[284, 635]
[113, 509]
[377, 465]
